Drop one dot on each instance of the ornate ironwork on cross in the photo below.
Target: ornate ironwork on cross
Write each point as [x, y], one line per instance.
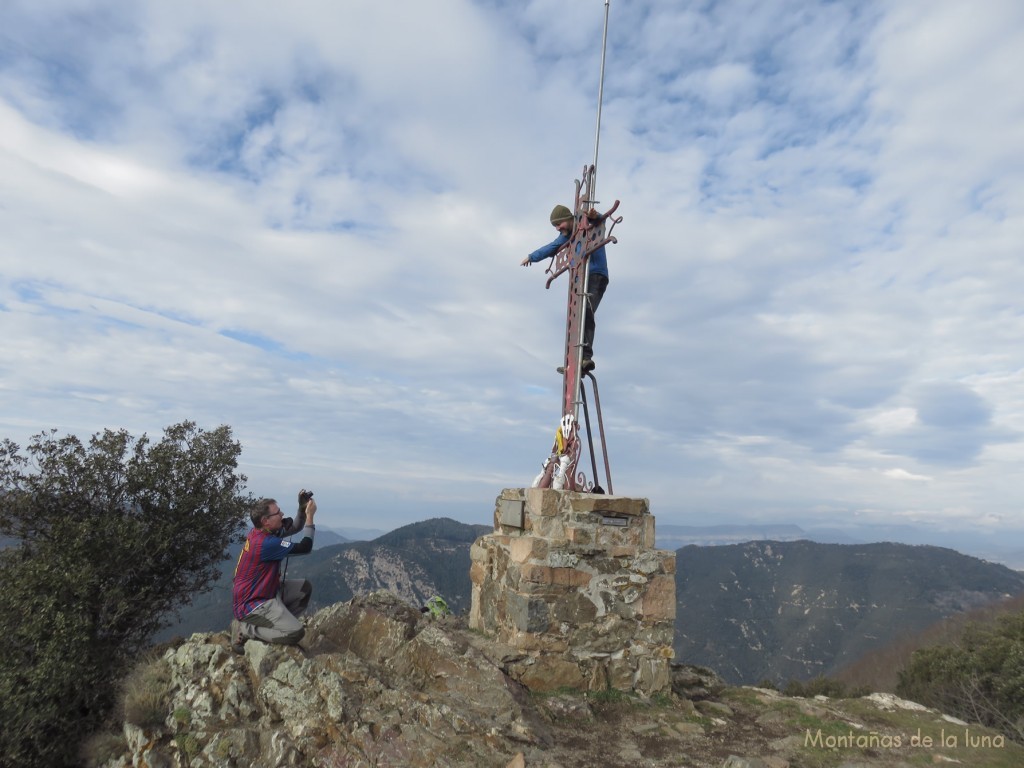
[592, 230]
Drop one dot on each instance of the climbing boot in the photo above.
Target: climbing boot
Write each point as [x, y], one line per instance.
[237, 639]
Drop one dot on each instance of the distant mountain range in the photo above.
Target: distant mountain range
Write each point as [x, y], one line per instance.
[987, 545]
[798, 609]
[775, 610]
[676, 536]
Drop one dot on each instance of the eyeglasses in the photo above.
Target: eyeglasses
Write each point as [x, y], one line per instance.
[279, 513]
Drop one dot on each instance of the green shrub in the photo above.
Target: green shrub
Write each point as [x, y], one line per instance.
[182, 717]
[980, 678]
[113, 535]
[223, 748]
[188, 744]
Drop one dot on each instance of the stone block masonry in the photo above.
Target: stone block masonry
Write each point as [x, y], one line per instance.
[573, 584]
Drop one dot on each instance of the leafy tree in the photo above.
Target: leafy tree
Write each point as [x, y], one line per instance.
[113, 537]
[979, 678]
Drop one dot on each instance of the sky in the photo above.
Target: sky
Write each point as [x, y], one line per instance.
[305, 220]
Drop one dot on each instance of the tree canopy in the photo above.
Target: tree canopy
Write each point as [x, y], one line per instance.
[979, 678]
[113, 535]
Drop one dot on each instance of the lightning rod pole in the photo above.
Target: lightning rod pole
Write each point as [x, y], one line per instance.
[600, 99]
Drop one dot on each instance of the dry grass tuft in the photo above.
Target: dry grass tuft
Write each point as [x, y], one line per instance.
[146, 693]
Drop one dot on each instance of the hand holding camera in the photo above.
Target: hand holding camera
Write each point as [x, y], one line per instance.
[307, 505]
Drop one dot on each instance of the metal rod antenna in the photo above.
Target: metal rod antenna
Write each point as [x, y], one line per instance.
[600, 99]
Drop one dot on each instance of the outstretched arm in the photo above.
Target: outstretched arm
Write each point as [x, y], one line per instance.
[545, 251]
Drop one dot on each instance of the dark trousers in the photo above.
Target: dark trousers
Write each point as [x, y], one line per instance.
[596, 286]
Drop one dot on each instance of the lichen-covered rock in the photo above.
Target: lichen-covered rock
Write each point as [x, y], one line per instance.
[375, 682]
[695, 683]
[378, 684]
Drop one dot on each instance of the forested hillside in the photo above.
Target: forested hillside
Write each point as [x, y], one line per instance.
[796, 610]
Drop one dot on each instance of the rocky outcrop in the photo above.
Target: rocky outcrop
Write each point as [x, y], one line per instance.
[573, 582]
[376, 683]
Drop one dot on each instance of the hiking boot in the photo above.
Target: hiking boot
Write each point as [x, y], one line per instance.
[587, 365]
[237, 639]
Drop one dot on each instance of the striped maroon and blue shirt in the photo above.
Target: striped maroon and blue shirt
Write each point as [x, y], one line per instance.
[257, 574]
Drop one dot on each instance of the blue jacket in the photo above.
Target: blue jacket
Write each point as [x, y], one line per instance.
[598, 259]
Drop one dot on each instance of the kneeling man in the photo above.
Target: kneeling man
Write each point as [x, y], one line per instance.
[265, 607]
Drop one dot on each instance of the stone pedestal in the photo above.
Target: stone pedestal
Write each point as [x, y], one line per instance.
[573, 583]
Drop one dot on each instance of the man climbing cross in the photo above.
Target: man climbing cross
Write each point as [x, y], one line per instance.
[597, 281]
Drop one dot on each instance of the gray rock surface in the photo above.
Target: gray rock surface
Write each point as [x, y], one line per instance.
[377, 683]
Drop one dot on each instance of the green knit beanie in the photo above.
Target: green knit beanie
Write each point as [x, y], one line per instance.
[560, 213]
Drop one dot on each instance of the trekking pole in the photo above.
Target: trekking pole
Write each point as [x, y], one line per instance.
[284, 577]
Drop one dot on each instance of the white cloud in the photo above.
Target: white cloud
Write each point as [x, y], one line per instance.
[902, 474]
[307, 222]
